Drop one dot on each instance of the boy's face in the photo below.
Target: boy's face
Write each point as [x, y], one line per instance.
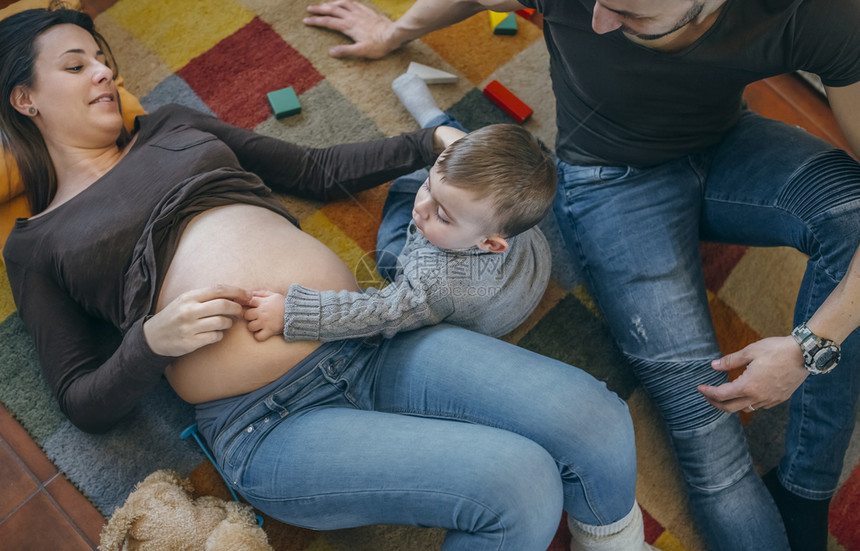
[452, 217]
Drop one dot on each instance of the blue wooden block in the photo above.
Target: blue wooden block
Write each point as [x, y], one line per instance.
[284, 102]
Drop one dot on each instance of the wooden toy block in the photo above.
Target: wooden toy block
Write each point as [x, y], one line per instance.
[503, 23]
[507, 101]
[431, 75]
[496, 17]
[284, 102]
[526, 13]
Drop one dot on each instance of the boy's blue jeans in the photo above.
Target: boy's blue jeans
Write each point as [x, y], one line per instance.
[635, 233]
[435, 427]
[397, 211]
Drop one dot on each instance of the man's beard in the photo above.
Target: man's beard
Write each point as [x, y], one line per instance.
[691, 14]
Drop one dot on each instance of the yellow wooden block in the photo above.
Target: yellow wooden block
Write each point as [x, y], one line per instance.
[180, 31]
[487, 51]
[496, 17]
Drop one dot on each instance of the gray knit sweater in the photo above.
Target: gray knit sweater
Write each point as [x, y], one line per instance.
[491, 293]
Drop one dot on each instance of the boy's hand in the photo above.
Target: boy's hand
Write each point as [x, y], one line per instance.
[265, 314]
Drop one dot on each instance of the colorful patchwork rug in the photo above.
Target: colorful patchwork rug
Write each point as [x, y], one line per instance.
[223, 57]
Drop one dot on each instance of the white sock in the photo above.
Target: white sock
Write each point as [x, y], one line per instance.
[413, 93]
[627, 534]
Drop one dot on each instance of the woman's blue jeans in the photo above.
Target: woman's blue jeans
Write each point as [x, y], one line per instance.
[435, 427]
[636, 233]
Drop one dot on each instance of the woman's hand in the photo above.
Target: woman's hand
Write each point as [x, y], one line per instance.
[370, 31]
[194, 319]
[774, 370]
[265, 315]
[444, 136]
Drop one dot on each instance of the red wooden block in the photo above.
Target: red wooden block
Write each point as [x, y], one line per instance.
[526, 13]
[507, 101]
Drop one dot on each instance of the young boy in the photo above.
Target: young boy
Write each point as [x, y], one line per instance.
[473, 255]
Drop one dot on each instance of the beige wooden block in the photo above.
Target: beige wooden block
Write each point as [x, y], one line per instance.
[431, 75]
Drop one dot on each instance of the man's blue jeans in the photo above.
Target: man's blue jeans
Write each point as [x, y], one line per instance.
[635, 233]
[435, 427]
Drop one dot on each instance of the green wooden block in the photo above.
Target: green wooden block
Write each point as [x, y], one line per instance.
[507, 26]
[284, 102]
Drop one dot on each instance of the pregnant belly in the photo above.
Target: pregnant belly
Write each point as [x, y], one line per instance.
[256, 249]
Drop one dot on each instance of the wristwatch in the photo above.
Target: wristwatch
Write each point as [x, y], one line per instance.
[819, 355]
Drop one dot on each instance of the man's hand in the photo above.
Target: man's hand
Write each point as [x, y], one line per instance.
[194, 319]
[370, 31]
[265, 315]
[774, 370]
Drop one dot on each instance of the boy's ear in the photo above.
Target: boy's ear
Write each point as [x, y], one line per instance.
[493, 244]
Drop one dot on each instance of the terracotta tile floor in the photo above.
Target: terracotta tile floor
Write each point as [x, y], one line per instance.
[39, 509]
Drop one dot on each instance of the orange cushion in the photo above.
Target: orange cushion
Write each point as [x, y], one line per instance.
[12, 202]
[9, 212]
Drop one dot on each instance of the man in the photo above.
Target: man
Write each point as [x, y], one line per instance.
[656, 152]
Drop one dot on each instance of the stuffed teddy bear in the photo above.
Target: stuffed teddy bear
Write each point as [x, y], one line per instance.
[160, 515]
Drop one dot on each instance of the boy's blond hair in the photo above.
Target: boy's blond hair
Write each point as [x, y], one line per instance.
[505, 162]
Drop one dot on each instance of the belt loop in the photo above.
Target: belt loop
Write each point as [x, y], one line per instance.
[275, 407]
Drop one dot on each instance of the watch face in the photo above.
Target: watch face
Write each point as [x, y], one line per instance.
[824, 359]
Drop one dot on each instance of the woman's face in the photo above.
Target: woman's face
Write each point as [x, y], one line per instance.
[73, 90]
